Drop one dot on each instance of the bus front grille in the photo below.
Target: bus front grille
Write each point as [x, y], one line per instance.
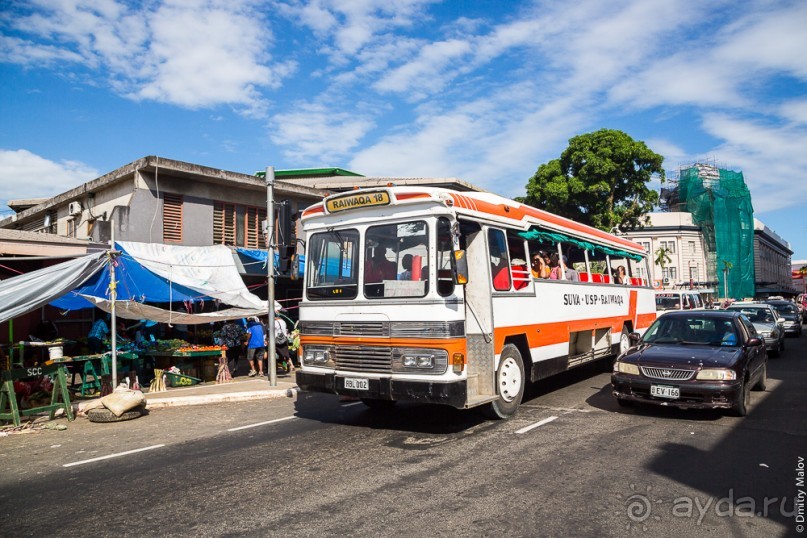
[363, 358]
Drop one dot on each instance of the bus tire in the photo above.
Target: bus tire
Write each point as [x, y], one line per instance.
[510, 381]
[624, 341]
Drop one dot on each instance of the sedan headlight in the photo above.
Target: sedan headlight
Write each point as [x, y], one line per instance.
[625, 368]
[717, 374]
[765, 334]
[318, 356]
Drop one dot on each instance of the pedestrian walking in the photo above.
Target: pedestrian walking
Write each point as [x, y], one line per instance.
[256, 346]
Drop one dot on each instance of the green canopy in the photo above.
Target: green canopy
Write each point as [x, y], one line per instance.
[556, 237]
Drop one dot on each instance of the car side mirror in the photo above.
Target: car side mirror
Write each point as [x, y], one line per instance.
[634, 338]
[754, 341]
[780, 320]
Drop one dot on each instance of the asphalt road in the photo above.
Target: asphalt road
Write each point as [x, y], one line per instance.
[571, 463]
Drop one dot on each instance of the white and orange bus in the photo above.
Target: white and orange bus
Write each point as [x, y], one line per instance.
[426, 295]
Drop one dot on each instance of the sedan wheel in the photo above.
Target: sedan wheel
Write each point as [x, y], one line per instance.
[763, 379]
[740, 407]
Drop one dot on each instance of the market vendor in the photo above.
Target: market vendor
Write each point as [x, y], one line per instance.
[98, 333]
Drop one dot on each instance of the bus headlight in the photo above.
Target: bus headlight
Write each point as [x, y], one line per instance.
[317, 356]
[425, 361]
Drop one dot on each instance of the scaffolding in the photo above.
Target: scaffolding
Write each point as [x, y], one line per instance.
[720, 203]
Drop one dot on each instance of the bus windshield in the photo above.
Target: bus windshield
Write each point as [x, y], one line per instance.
[394, 258]
[332, 270]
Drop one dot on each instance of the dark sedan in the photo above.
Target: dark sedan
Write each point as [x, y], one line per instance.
[693, 359]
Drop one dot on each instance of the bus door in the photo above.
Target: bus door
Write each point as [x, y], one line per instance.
[478, 315]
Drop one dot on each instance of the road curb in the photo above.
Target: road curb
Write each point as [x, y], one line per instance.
[157, 403]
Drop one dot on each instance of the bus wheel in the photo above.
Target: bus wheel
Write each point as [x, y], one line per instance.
[510, 381]
[624, 341]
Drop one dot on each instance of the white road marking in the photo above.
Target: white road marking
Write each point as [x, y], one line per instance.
[351, 403]
[260, 424]
[533, 426]
[112, 455]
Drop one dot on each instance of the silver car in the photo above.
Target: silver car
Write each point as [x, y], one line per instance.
[790, 313]
[767, 323]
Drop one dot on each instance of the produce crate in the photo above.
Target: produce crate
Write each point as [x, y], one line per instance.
[180, 380]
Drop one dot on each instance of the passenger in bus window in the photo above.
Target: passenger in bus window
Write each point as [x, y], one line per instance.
[406, 263]
[558, 266]
[540, 268]
[378, 267]
[620, 276]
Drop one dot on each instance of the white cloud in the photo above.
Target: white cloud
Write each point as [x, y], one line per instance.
[188, 53]
[351, 26]
[314, 134]
[772, 158]
[26, 175]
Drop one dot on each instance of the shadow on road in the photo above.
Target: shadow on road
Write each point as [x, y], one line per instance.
[753, 467]
[404, 417]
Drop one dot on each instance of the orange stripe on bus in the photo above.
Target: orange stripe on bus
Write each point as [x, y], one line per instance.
[411, 195]
[547, 334]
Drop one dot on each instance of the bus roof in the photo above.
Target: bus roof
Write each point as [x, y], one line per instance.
[480, 205]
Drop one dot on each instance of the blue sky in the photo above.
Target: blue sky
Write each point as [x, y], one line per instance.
[481, 90]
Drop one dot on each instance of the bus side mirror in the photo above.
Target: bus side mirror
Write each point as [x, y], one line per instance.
[460, 268]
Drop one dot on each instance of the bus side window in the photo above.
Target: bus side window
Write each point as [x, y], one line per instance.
[499, 262]
[518, 259]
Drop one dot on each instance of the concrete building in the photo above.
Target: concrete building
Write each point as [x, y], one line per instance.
[772, 256]
[683, 242]
[798, 278]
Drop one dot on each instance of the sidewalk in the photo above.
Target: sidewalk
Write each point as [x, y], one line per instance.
[239, 389]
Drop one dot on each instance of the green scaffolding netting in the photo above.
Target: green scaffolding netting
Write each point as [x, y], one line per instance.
[720, 203]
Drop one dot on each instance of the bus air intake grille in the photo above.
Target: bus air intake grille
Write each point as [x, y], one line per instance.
[363, 328]
[363, 358]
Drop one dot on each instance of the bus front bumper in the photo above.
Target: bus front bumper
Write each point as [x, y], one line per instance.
[454, 394]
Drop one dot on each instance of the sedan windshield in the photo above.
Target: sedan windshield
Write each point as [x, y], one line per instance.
[701, 330]
[754, 314]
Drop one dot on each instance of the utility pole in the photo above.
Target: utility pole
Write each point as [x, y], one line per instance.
[270, 272]
[113, 319]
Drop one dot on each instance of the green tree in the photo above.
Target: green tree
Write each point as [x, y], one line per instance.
[600, 179]
[662, 258]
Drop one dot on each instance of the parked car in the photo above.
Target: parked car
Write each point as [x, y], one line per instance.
[767, 322]
[790, 313]
[694, 359]
[678, 300]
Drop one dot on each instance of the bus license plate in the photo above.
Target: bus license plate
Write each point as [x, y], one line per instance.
[357, 384]
[665, 392]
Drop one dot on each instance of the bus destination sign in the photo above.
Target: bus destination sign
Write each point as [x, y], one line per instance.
[356, 201]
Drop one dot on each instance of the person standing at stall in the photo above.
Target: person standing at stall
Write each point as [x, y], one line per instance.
[98, 333]
[232, 334]
[256, 346]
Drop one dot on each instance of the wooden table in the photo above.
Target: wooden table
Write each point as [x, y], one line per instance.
[95, 366]
[8, 398]
[164, 359]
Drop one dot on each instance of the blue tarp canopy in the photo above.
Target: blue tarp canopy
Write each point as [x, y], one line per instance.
[260, 256]
[135, 283]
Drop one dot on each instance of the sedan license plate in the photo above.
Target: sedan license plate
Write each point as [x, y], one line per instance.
[665, 392]
[357, 384]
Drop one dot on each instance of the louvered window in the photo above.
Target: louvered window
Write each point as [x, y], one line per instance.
[172, 218]
[238, 225]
